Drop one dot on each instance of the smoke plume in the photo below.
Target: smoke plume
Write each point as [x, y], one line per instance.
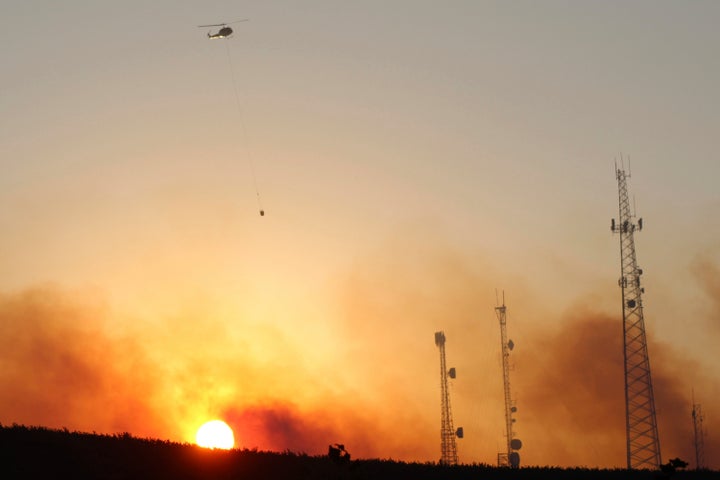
[60, 369]
[571, 389]
[66, 362]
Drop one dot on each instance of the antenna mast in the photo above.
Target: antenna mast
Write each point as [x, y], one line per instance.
[643, 443]
[697, 417]
[448, 447]
[509, 458]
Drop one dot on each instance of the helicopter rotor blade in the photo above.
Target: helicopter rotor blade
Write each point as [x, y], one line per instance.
[224, 24]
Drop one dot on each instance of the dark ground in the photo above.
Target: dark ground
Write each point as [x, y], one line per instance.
[36, 452]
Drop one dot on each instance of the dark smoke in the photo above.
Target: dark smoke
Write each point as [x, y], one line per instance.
[570, 386]
[282, 426]
[572, 393]
[59, 368]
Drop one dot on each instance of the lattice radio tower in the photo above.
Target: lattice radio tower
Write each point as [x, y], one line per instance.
[699, 435]
[448, 447]
[510, 457]
[643, 444]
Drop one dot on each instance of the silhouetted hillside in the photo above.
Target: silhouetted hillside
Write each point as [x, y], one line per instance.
[35, 452]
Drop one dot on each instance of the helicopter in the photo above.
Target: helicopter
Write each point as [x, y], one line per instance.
[224, 32]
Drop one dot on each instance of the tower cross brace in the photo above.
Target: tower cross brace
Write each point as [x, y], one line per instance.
[698, 436]
[448, 446]
[643, 444]
[510, 457]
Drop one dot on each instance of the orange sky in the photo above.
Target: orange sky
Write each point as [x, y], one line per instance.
[412, 160]
[360, 373]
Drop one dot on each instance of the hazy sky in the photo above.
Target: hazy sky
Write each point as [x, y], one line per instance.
[412, 158]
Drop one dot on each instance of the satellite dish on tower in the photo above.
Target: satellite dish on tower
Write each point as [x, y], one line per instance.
[511, 344]
[451, 373]
[515, 444]
[459, 432]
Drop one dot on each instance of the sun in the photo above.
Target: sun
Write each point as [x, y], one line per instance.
[215, 434]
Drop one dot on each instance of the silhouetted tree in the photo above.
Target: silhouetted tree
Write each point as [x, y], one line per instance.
[338, 453]
[673, 465]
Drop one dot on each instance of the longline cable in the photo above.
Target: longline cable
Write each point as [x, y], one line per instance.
[244, 129]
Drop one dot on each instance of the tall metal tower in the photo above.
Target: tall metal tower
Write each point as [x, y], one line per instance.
[448, 447]
[697, 417]
[509, 458]
[643, 444]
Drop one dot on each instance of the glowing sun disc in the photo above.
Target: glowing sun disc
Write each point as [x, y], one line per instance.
[215, 434]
